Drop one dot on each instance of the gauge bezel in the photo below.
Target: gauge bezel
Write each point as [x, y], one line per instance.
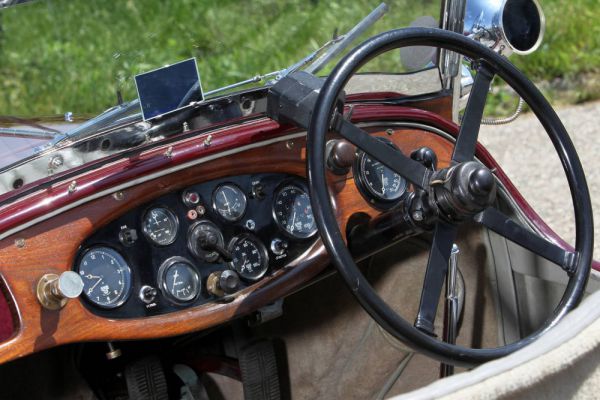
[129, 281]
[171, 214]
[162, 284]
[280, 188]
[261, 247]
[214, 201]
[373, 198]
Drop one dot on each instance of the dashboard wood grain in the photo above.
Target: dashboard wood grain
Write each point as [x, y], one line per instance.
[51, 246]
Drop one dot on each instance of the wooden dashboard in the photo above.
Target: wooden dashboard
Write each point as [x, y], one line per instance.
[50, 245]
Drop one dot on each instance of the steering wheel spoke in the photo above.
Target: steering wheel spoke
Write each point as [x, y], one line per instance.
[444, 236]
[464, 149]
[410, 169]
[469, 182]
[498, 222]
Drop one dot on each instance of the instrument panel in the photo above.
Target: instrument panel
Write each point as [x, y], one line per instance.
[202, 244]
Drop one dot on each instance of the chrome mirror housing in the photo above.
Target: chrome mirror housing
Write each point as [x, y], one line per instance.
[505, 26]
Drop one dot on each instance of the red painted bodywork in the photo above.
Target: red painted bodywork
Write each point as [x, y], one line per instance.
[109, 176]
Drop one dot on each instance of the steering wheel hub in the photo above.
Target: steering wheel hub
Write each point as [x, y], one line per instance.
[461, 191]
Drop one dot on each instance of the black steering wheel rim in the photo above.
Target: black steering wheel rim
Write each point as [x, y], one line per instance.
[333, 239]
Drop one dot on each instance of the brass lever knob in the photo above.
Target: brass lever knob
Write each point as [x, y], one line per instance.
[53, 291]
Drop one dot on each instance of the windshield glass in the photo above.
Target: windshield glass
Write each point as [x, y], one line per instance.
[63, 62]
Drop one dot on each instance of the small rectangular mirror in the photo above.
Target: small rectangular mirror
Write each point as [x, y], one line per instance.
[165, 90]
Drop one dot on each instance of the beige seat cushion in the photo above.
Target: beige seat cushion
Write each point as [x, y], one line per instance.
[563, 364]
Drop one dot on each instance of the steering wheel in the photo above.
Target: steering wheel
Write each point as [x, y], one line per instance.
[449, 197]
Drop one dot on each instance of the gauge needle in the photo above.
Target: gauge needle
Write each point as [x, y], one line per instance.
[382, 184]
[95, 284]
[175, 278]
[226, 202]
[293, 221]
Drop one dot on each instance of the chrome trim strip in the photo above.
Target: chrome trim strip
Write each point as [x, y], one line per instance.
[146, 178]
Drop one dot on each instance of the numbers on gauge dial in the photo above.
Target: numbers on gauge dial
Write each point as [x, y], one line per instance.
[229, 201]
[106, 277]
[293, 212]
[160, 226]
[249, 257]
[379, 180]
[179, 280]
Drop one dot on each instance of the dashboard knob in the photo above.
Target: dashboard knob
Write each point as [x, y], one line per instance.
[340, 157]
[220, 283]
[425, 156]
[53, 291]
[229, 281]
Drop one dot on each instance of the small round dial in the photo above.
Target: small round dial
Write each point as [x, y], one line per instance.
[230, 202]
[379, 181]
[106, 277]
[249, 257]
[293, 212]
[179, 280]
[160, 226]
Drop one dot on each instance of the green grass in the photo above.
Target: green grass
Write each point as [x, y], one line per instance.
[73, 55]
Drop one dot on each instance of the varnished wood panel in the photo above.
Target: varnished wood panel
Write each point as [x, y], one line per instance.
[50, 247]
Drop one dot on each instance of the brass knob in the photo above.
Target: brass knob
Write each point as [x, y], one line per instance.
[224, 282]
[53, 291]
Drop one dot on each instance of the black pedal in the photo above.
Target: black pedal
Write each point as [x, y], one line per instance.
[260, 377]
[146, 380]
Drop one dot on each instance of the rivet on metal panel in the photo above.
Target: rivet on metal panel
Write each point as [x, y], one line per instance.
[119, 195]
[73, 187]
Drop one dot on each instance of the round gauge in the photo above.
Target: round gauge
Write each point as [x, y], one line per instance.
[179, 280]
[160, 226]
[249, 257]
[293, 212]
[230, 202]
[378, 180]
[106, 277]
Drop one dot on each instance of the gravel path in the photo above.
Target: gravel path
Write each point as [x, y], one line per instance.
[526, 154]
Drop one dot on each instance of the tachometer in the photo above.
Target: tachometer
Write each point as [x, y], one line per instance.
[293, 212]
[179, 280]
[106, 277]
[230, 202]
[160, 226]
[249, 257]
[376, 181]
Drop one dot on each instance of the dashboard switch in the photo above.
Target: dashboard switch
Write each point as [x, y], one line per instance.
[128, 237]
[224, 282]
[278, 246]
[258, 191]
[148, 294]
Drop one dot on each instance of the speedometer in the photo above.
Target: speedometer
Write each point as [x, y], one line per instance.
[249, 257]
[378, 183]
[293, 212]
